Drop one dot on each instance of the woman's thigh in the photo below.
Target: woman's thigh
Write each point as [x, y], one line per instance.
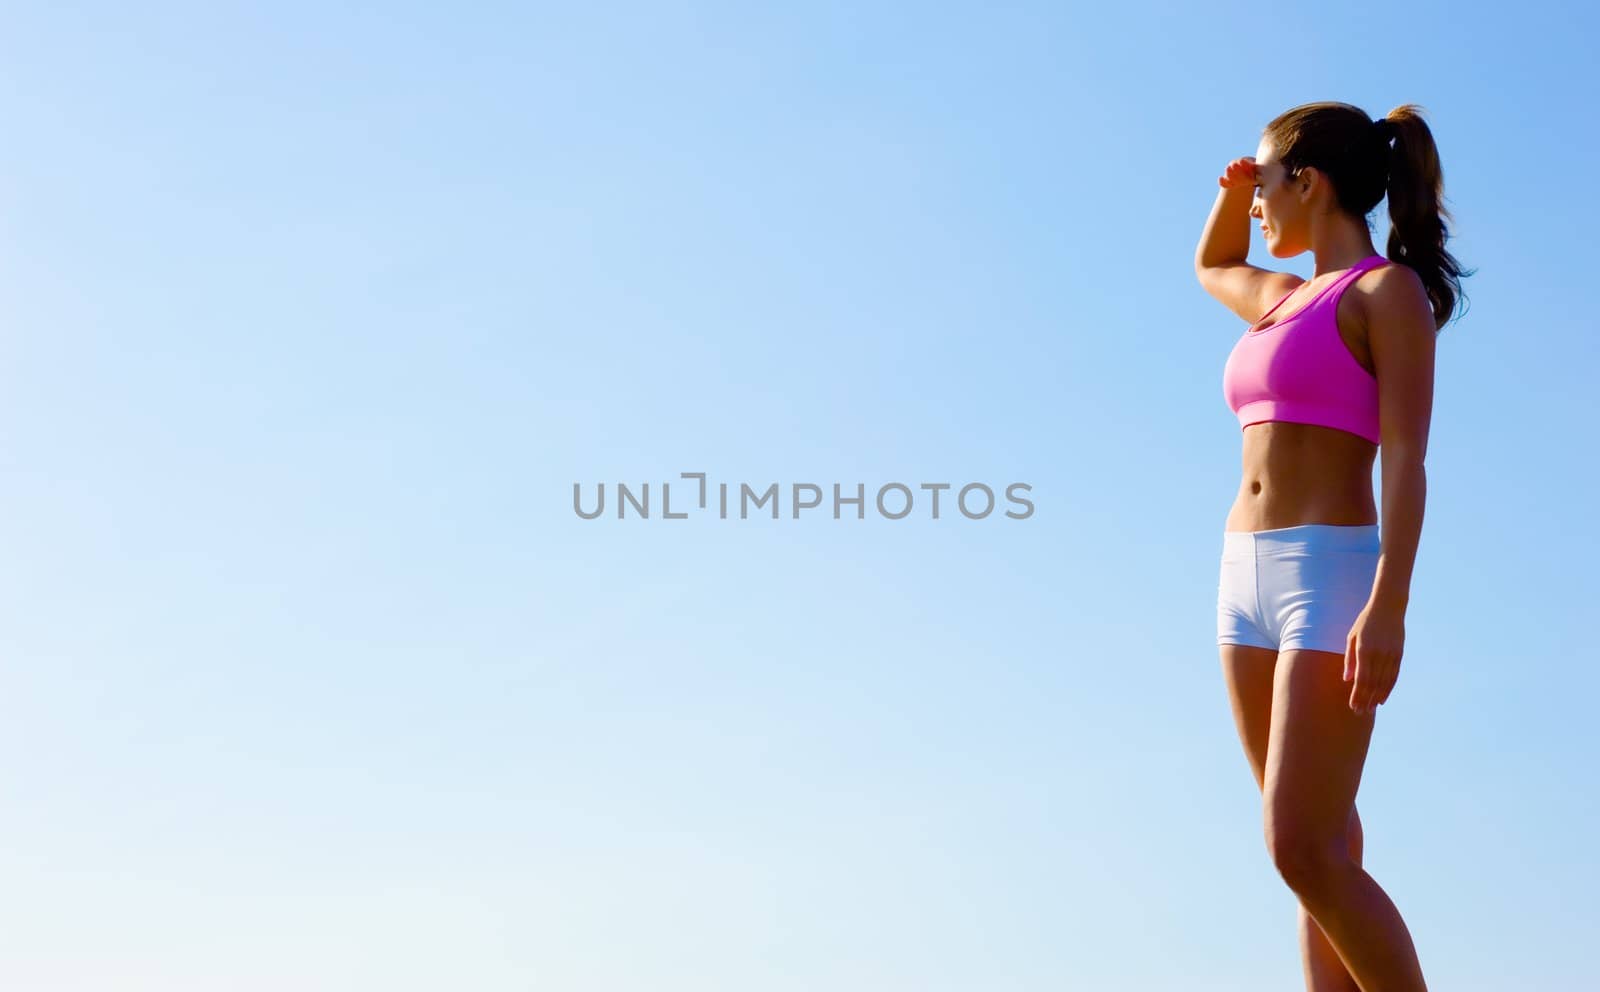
[1316, 749]
[1247, 674]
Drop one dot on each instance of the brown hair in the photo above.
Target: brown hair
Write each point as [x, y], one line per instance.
[1353, 151]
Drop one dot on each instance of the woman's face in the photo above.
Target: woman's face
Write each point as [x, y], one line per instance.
[1278, 206]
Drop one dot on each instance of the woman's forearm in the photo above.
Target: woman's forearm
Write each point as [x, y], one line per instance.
[1226, 238]
[1405, 494]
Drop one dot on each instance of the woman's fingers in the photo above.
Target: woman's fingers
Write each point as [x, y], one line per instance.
[1238, 171]
[1358, 692]
[1375, 676]
[1361, 693]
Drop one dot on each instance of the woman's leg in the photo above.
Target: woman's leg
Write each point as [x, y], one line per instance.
[1323, 969]
[1315, 753]
[1247, 674]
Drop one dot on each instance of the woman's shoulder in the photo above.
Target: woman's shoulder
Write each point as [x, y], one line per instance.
[1389, 281]
[1391, 288]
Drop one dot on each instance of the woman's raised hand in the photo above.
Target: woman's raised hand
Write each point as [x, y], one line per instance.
[1240, 172]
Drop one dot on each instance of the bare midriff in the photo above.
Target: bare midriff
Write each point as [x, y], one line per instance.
[1303, 474]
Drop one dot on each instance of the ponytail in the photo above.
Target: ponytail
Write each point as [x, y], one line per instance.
[1417, 215]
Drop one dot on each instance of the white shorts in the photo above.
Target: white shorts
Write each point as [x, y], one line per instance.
[1295, 587]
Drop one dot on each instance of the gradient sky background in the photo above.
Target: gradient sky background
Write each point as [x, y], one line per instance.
[312, 679]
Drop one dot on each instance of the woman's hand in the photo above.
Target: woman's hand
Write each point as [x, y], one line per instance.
[1240, 172]
[1372, 655]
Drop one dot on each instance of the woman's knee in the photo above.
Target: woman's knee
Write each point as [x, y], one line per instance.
[1308, 858]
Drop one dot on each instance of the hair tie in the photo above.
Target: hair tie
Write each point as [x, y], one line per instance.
[1384, 128]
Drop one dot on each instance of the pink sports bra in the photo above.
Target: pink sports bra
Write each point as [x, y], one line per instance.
[1299, 370]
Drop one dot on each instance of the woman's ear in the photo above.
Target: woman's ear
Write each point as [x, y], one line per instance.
[1306, 180]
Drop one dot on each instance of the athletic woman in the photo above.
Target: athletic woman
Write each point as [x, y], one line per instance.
[1312, 595]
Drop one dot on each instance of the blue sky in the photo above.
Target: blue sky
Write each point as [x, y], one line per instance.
[314, 314]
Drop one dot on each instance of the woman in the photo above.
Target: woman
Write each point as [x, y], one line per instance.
[1312, 595]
